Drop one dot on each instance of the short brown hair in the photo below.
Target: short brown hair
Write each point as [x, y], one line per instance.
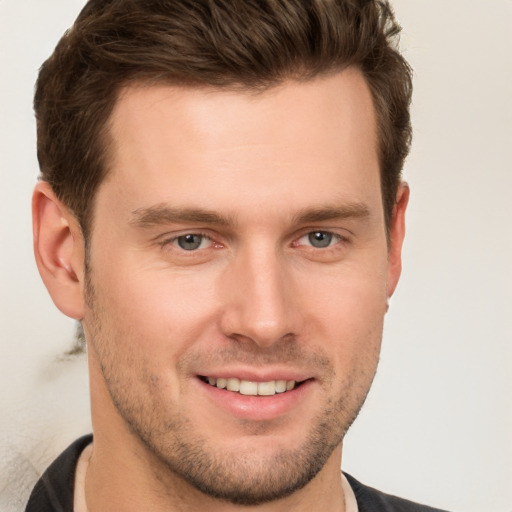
[246, 44]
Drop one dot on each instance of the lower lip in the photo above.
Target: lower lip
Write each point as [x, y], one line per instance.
[257, 408]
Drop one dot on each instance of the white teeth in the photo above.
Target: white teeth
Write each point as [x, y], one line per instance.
[233, 384]
[267, 388]
[247, 387]
[280, 386]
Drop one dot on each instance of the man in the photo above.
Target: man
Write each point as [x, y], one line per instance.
[221, 208]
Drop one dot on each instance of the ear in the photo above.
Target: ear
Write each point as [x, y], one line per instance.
[396, 237]
[59, 250]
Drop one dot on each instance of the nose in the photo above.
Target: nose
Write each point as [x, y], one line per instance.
[260, 304]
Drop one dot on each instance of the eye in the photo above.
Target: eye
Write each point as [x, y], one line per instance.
[320, 239]
[192, 242]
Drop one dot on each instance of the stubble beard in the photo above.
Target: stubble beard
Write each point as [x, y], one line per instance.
[177, 449]
[238, 477]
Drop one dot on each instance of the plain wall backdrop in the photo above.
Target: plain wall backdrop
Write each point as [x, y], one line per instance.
[437, 426]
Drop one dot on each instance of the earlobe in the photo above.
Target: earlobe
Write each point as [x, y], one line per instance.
[59, 250]
[396, 237]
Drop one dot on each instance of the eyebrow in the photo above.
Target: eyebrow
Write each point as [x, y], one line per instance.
[345, 211]
[163, 214]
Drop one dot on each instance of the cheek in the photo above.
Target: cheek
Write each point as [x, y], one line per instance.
[352, 297]
[354, 339]
[348, 314]
[157, 313]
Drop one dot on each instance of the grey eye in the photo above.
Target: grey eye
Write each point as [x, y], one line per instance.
[190, 242]
[320, 239]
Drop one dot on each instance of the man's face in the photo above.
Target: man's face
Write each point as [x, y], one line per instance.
[238, 241]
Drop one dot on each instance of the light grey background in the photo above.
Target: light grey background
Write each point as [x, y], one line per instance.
[438, 424]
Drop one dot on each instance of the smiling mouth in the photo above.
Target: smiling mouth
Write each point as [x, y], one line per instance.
[250, 388]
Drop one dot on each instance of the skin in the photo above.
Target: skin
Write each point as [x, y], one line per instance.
[253, 175]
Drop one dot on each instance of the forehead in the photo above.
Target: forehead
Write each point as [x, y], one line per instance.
[220, 147]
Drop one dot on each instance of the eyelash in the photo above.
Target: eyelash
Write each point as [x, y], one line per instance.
[173, 241]
[333, 237]
[336, 238]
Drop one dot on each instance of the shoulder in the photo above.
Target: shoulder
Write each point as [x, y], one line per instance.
[372, 500]
[54, 490]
